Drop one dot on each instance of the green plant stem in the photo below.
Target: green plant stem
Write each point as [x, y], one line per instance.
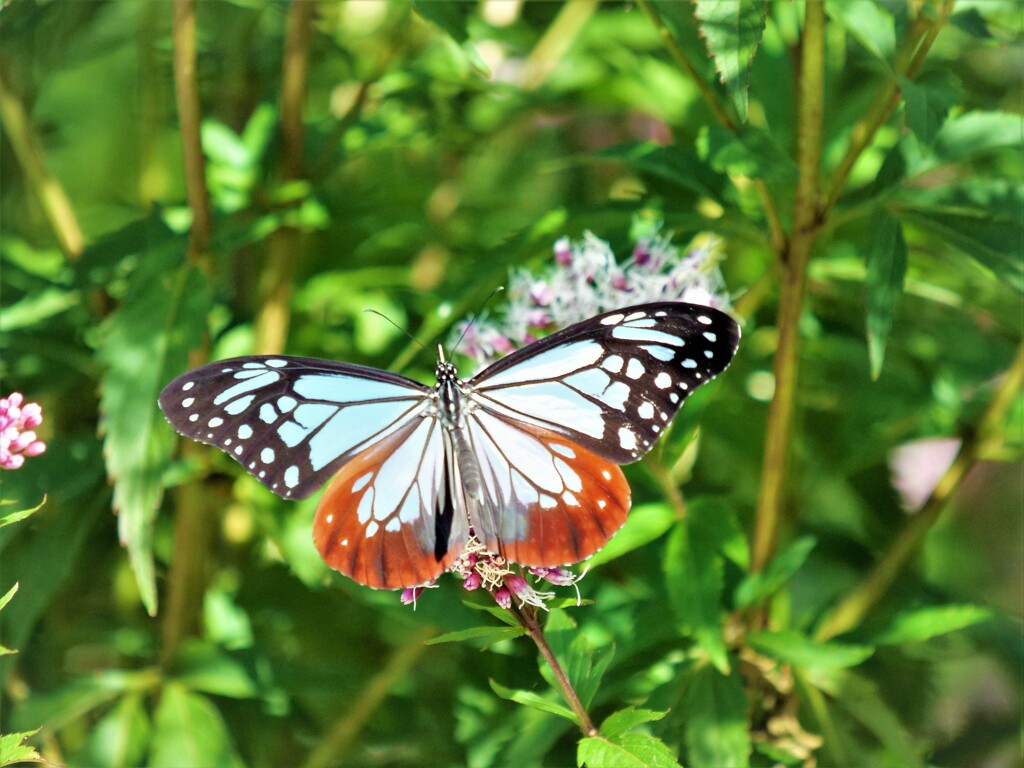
[916, 44]
[556, 41]
[195, 521]
[794, 281]
[849, 613]
[339, 739]
[669, 487]
[284, 245]
[47, 190]
[186, 86]
[528, 618]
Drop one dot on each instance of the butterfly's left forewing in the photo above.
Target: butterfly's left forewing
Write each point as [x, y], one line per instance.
[291, 422]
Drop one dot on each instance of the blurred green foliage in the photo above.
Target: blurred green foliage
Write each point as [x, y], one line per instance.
[442, 144]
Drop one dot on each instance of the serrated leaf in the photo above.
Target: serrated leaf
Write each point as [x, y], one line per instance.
[490, 635]
[928, 100]
[145, 344]
[694, 581]
[633, 750]
[869, 22]
[188, 731]
[795, 648]
[925, 623]
[618, 723]
[534, 701]
[17, 517]
[121, 736]
[645, 524]
[886, 258]
[716, 720]
[732, 30]
[14, 752]
[758, 586]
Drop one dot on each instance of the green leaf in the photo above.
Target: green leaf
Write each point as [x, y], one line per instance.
[188, 732]
[795, 648]
[694, 581]
[645, 524]
[145, 345]
[633, 750]
[490, 635]
[677, 165]
[928, 100]
[454, 18]
[732, 30]
[886, 257]
[971, 22]
[14, 752]
[56, 708]
[977, 133]
[861, 699]
[993, 242]
[121, 736]
[752, 152]
[204, 667]
[867, 21]
[583, 664]
[757, 586]
[925, 623]
[17, 517]
[37, 307]
[716, 720]
[533, 700]
[4, 651]
[617, 723]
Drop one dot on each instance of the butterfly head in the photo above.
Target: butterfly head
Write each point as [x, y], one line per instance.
[445, 371]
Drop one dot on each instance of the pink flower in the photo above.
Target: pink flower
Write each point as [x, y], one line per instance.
[17, 438]
[503, 597]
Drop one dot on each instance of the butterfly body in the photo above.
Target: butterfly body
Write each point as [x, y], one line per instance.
[525, 453]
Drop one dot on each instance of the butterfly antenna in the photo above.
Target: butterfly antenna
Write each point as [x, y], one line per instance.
[469, 325]
[381, 314]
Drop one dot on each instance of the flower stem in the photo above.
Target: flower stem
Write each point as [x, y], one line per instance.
[850, 612]
[794, 280]
[528, 618]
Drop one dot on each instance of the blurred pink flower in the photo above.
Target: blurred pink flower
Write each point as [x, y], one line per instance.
[17, 435]
[918, 467]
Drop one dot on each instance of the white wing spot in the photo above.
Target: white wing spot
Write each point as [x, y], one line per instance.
[263, 474]
[371, 529]
[252, 465]
[565, 450]
[267, 455]
[228, 441]
[645, 411]
[216, 421]
[548, 502]
[611, 319]
[330, 518]
[239, 450]
[601, 503]
[237, 406]
[194, 417]
[393, 525]
[656, 428]
[606, 474]
[660, 314]
[710, 336]
[698, 375]
[277, 363]
[187, 402]
[267, 413]
[344, 542]
[627, 439]
[663, 416]
[636, 316]
[570, 499]
[673, 397]
[635, 369]
[286, 403]
[659, 352]
[704, 319]
[613, 364]
[361, 482]
[689, 363]
[245, 431]
[708, 354]
[663, 381]
[291, 476]
[684, 386]
[209, 435]
[252, 365]
[188, 386]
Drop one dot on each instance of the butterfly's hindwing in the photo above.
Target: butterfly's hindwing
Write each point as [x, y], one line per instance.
[291, 421]
[386, 518]
[548, 501]
[611, 383]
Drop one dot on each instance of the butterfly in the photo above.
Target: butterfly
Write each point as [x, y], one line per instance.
[526, 453]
